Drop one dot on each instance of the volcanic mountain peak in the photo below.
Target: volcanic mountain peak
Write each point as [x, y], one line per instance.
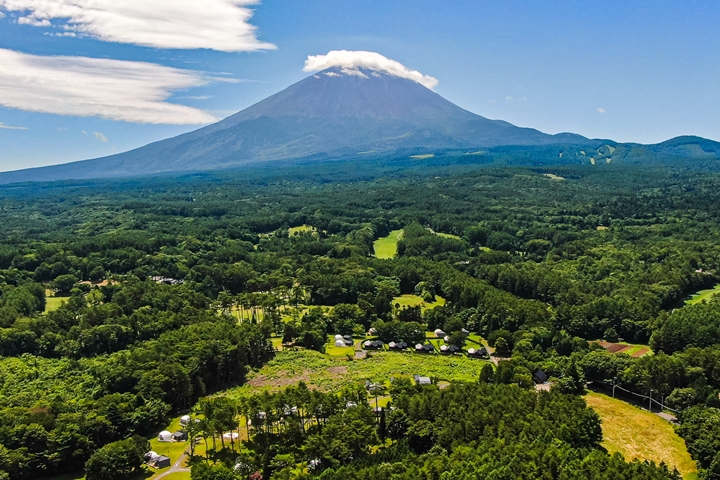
[338, 111]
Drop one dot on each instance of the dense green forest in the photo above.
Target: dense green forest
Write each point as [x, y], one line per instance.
[542, 261]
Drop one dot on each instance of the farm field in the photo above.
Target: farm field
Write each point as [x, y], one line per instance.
[703, 295]
[414, 300]
[636, 433]
[634, 350]
[331, 374]
[386, 247]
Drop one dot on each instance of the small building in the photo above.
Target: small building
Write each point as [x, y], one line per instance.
[439, 333]
[165, 436]
[184, 420]
[339, 343]
[422, 380]
[373, 345]
[540, 376]
[180, 436]
[162, 462]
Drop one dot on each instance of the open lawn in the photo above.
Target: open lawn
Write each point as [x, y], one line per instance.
[53, 303]
[386, 247]
[301, 229]
[414, 300]
[639, 434]
[331, 374]
[703, 295]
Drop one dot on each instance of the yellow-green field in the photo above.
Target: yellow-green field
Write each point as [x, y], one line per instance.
[330, 374]
[302, 229]
[53, 303]
[447, 235]
[386, 247]
[414, 300]
[703, 295]
[636, 433]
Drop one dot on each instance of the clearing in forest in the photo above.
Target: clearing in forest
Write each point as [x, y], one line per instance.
[331, 374]
[414, 300]
[637, 433]
[627, 348]
[706, 295]
[53, 303]
[386, 247]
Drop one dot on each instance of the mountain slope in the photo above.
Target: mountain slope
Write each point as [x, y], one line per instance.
[330, 114]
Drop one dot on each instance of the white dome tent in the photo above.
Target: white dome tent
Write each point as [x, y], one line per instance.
[165, 436]
[184, 420]
[439, 333]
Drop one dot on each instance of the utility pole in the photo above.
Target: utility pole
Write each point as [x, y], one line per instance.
[650, 404]
[614, 381]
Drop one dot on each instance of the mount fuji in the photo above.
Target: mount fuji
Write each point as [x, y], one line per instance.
[334, 113]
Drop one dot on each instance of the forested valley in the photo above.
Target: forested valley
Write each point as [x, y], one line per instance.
[172, 290]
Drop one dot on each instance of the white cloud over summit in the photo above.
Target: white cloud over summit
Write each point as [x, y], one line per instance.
[97, 87]
[188, 24]
[350, 62]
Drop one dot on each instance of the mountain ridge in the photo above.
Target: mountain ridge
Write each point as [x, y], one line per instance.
[330, 114]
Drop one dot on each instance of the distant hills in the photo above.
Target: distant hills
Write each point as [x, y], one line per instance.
[336, 114]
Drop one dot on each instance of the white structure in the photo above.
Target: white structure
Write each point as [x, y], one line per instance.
[231, 435]
[439, 333]
[339, 338]
[339, 343]
[444, 348]
[184, 420]
[165, 436]
[471, 351]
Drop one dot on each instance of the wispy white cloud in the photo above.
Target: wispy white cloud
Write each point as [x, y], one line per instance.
[10, 127]
[97, 87]
[601, 110]
[213, 24]
[350, 62]
[100, 137]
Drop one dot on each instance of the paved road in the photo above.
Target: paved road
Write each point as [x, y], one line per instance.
[176, 467]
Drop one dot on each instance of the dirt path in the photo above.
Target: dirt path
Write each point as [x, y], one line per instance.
[176, 467]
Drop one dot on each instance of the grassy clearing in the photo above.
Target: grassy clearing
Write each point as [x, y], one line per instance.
[386, 247]
[703, 295]
[639, 434]
[448, 235]
[331, 374]
[414, 300]
[53, 303]
[301, 229]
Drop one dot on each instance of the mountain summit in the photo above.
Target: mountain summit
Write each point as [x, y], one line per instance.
[336, 112]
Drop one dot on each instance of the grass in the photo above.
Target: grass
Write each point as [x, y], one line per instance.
[703, 295]
[414, 300]
[448, 235]
[177, 476]
[636, 433]
[331, 374]
[301, 229]
[386, 247]
[53, 303]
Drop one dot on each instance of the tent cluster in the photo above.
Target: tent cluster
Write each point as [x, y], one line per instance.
[156, 460]
[343, 341]
[449, 349]
[373, 345]
[427, 348]
[479, 353]
[399, 346]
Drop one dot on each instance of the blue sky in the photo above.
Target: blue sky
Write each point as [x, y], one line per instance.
[641, 71]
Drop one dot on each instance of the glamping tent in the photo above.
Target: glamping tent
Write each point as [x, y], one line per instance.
[165, 436]
[161, 462]
[184, 420]
[339, 343]
[439, 333]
